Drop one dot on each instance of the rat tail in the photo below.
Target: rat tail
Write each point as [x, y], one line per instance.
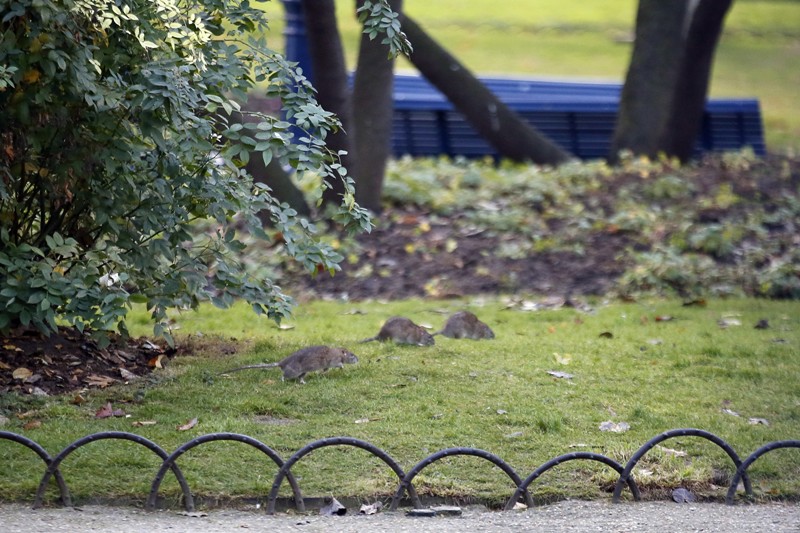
[370, 339]
[262, 365]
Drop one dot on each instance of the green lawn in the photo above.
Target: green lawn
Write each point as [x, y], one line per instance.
[758, 54]
[493, 395]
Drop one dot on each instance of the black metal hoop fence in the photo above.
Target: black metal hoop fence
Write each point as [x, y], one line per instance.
[405, 486]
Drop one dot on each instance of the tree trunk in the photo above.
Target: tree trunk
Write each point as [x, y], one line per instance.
[510, 135]
[372, 117]
[663, 99]
[647, 95]
[686, 117]
[272, 175]
[330, 79]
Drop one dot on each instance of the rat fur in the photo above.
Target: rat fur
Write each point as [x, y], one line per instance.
[402, 330]
[465, 325]
[305, 360]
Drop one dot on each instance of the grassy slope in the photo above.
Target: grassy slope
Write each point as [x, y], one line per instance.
[493, 395]
[757, 56]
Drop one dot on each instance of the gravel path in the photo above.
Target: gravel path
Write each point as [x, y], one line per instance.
[568, 516]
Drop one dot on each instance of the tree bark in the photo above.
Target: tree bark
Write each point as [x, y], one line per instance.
[330, 79]
[272, 175]
[688, 103]
[646, 98]
[663, 99]
[372, 117]
[510, 135]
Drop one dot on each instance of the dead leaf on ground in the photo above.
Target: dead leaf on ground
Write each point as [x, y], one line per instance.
[725, 323]
[663, 318]
[127, 375]
[681, 495]
[563, 359]
[21, 373]
[373, 508]
[156, 362]
[700, 302]
[78, 400]
[108, 411]
[367, 420]
[33, 424]
[615, 427]
[730, 412]
[188, 425]
[558, 374]
[141, 423]
[94, 380]
[670, 451]
[334, 508]
[758, 421]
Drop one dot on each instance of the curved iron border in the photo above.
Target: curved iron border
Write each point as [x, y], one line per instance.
[685, 432]
[211, 437]
[405, 484]
[66, 500]
[742, 469]
[337, 441]
[150, 445]
[563, 459]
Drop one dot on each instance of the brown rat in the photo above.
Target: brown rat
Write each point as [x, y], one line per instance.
[465, 325]
[305, 360]
[402, 331]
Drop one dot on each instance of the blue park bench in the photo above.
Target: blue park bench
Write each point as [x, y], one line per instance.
[578, 116]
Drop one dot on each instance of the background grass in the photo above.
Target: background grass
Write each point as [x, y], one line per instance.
[494, 395]
[757, 57]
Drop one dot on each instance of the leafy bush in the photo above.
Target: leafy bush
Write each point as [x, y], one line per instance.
[114, 138]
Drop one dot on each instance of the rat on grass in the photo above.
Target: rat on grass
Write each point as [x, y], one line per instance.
[306, 360]
[465, 325]
[402, 330]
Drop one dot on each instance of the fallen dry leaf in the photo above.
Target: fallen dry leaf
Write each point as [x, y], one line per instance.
[757, 421]
[127, 375]
[156, 362]
[371, 509]
[670, 451]
[94, 380]
[558, 374]
[681, 495]
[78, 400]
[21, 373]
[615, 427]
[663, 318]
[188, 425]
[33, 424]
[141, 423]
[334, 508]
[108, 411]
[728, 322]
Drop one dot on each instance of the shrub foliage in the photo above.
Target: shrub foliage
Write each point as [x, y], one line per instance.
[115, 138]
